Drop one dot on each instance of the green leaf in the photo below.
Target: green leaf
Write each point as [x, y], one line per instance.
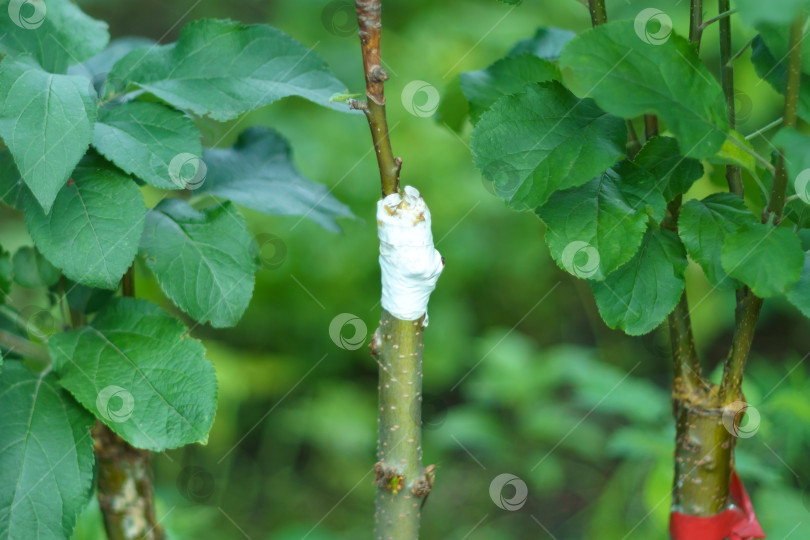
[607, 216]
[546, 43]
[56, 33]
[46, 459]
[32, 270]
[775, 73]
[675, 174]
[259, 173]
[87, 299]
[628, 77]
[799, 293]
[202, 259]
[148, 140]
[47, 123]
[533, 144]
[703, 226]
[638, 296]
[92, 234]
[11, 184]
[756, 12]
[732, 153]
[506, 76]
[136, 369]
[6, 274]
[223, 69]
[768, 259]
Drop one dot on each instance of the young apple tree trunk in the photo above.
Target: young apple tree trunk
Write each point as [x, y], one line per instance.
[403, 484]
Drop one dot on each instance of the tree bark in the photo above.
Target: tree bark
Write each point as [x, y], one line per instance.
[402, 482]
[124, 488]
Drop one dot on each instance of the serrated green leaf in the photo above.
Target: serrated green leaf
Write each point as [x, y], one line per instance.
[775, 73]
[799, 293]
[46, 456]
[222, 69]
[638, 296]
[136, 369]
[674, 173]
[768, 259]
[47, 123]
[533, 144]
[148, 140]
[703, 226]
[609, 214]
[629, 76]
[782, 12]
[202, 259]
[55, 33]
[93, 231]
[506, 76]
[32, 270]
[259, 173]
[546, 43]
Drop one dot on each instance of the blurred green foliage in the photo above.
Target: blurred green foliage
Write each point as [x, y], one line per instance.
[521, 376]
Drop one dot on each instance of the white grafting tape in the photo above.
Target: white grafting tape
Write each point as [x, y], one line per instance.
[409, 263]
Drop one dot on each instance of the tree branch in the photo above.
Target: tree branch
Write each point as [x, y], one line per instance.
[397, 344]
[598, 12]
[695, 22]
[749, 307]
[370, 25]
[733, 172]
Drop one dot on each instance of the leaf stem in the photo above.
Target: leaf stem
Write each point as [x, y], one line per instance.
[753, 153]
[742, 50]
[762, 130]
[723, 15]
[13, 342]
[370, 28]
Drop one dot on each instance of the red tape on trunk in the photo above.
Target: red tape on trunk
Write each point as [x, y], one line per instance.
[737, 523]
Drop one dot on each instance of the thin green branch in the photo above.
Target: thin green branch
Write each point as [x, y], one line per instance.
[748, 309]
[733, 172]
[695, 21]
[598, 12]
[370, 28]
